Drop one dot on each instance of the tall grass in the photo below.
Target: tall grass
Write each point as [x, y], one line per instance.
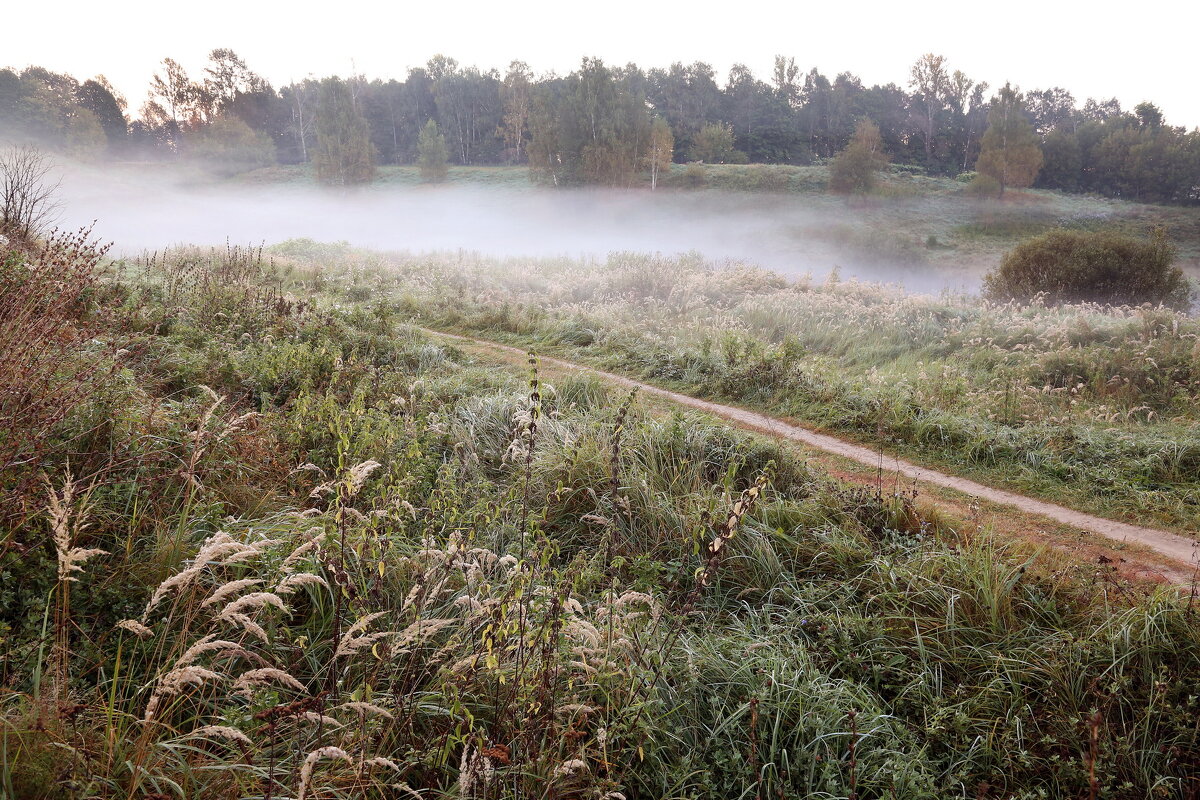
[1093, 406]
[411, 574]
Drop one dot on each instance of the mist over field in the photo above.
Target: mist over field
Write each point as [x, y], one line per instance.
[453, 434]
[146, 211]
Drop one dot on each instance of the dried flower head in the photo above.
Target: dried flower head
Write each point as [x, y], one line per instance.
[224, 732]
[357, 477]
[66, 523]
[311, 760]
[265, 676]
[228, 589]
[136, 628]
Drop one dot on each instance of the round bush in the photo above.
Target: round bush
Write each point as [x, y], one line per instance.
[1078, 267]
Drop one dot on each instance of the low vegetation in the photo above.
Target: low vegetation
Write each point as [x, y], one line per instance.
[287, 546]
[49, 353]
[1091, 405]
[1091, 267]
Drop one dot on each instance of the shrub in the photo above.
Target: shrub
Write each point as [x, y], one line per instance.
[48, 353]
[1077, 266]
[982, 185]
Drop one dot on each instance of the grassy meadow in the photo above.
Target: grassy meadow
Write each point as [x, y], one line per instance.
[1092, 406]
[269, 541]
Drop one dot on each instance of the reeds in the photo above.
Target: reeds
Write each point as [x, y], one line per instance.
[67, 514]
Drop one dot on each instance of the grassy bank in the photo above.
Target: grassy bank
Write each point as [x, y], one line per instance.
[288, 547]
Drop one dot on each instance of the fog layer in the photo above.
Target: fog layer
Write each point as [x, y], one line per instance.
[793, 235]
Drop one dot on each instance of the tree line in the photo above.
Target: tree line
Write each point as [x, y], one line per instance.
[601, 123]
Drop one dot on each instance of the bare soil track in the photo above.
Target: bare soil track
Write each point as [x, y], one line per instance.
[1178, 555]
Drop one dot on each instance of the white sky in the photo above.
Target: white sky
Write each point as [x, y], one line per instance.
[1089, 48]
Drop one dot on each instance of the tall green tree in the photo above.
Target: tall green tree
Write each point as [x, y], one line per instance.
[968, 118]
[227, 76]
[175, 102]
[660, 151]
[592, 126]
[1009, 152]
[854, 169]
[714, 145]
[431, 154]
[687, 97]
[343, 155]
[469, 109]
[37, 106]
[932, 84]
[301, 99]
[97, 95]
[85, 137]
[609, 124]
[1052, 109]
[745, 99]
[1062, 161]
[545, 149]
[1149, 115]
[516, 95]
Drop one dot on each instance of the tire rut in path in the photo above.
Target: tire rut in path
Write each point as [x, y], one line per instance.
[1178, 548]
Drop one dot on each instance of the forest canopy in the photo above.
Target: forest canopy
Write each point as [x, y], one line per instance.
[595, 124]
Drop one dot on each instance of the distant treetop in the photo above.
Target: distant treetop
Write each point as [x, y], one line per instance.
[597, 124]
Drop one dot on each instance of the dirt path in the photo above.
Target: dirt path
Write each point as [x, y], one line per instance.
[1180, 550]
